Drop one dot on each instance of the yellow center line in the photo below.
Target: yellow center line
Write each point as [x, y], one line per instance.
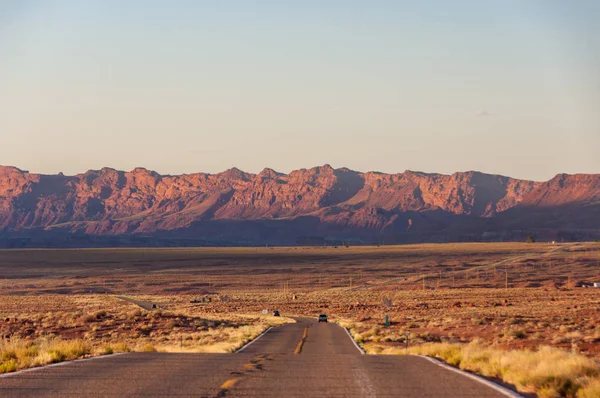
[229, 383]
[298, 349]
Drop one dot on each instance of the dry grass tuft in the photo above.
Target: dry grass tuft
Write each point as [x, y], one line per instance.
[112, 349]
[224, 339]
[20, 354]
[148, 347]
[591, 390]
[548, 371]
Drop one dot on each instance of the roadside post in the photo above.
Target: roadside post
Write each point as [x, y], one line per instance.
[387, 321]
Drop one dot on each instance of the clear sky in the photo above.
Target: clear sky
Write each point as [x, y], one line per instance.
[509, 87]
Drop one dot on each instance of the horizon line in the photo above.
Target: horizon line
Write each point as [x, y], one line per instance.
[268, 169]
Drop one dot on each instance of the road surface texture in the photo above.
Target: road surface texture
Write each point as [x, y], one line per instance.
[144, 304]
[304, 359]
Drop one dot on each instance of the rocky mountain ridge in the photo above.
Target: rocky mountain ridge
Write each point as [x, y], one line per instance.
[321, 203]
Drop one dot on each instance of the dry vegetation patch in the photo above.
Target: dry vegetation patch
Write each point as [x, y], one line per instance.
[546, 371]
[38, 330]
[18, 354]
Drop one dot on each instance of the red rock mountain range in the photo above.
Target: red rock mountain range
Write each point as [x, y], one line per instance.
[309, 206]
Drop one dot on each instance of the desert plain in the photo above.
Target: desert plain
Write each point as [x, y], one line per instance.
[505, 297]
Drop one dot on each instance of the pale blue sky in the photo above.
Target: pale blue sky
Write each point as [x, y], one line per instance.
[186, 86]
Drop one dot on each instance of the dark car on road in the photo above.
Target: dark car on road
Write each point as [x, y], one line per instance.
[323, 318]
[276, 313]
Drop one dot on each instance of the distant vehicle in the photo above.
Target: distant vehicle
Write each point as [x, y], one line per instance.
[276, 313]
[322, 318]
[154, 306]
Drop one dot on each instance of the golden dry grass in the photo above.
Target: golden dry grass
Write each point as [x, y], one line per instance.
[591, 390]
[224, 339]
[18, 354]
[547, 371]
[39, 330]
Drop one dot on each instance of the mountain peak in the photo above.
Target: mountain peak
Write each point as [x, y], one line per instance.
[268, 173]
[234, 174]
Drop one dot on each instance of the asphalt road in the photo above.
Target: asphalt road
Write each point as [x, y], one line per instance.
[144, 304]
[305, 359]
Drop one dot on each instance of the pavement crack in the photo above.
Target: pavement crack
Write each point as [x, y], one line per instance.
[225, 387]
[249, 367]
[222, 393]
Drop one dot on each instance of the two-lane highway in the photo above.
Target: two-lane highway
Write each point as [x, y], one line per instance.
[327, 365]
[330, 365]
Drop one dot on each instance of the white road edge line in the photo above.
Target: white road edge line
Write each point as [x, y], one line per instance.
[502, 390]
[252, 341]
[355, 343]
[53, 365]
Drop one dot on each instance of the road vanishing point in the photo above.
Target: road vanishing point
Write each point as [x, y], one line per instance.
[303, 359]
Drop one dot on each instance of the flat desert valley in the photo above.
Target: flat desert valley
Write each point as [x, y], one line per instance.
[498, 296]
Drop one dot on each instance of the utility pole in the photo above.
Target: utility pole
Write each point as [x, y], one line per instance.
[506, 280]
